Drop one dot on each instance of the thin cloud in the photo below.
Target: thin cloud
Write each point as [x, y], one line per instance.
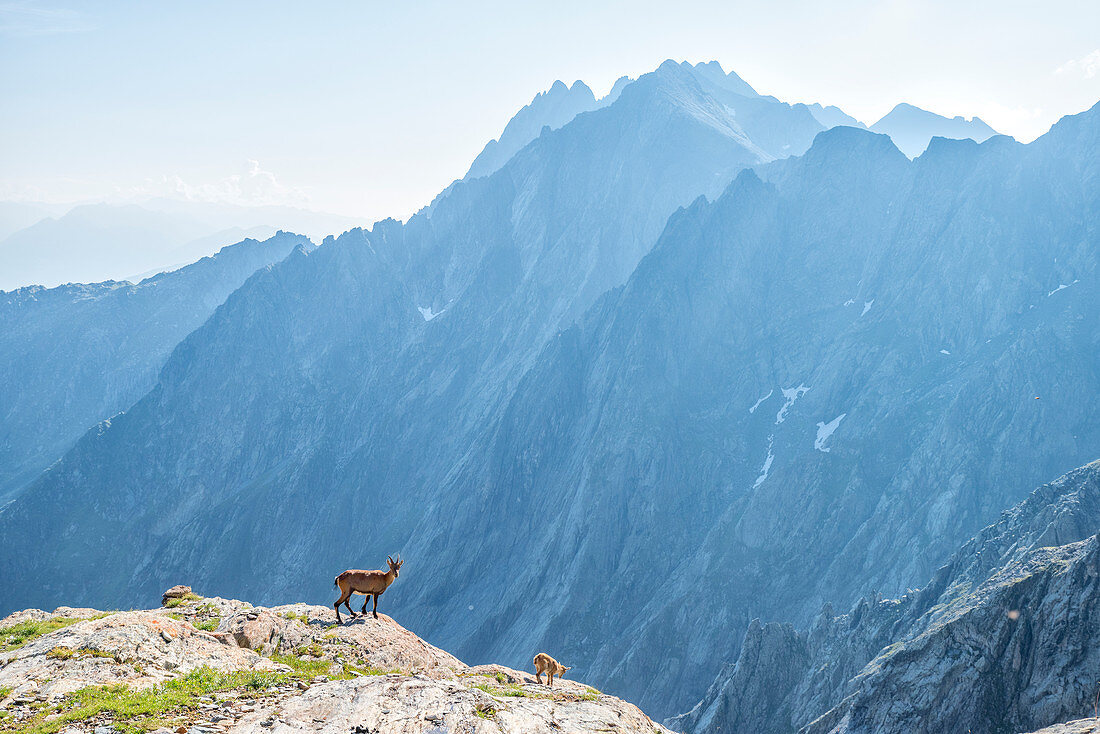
[31, 18]
[1085, 67]
[252, 187]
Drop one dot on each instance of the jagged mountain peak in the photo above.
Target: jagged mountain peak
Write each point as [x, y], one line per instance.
[552, 108]
[616, 90]
[710, 72]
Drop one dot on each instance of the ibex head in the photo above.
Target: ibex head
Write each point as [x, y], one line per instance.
[395, 566]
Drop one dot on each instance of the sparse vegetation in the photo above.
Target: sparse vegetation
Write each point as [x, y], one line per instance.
[313, 650]
[61, 653]
[208, 625]
[511, 690]
[133, 710]
[20, 634]
[5, 691]
[304, 669]
[355, 670]
[68, 653]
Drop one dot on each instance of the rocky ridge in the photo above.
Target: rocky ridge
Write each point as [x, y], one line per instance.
[1001, 639]
[203, 665]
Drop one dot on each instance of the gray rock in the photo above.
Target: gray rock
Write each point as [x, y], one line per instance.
[1001, 639]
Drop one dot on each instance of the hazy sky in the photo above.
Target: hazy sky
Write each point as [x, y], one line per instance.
[371, 108]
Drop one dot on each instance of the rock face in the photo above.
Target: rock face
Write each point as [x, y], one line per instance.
[77, 354]
[1002, 639]
[395, 703]
[1081, 726]
[384, 680]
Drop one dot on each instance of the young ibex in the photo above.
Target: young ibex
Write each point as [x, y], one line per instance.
[546, 664]
[365, 582]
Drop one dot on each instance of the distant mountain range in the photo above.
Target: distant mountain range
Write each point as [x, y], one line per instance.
[912, 128]
[96, 242]
[74, 355]
[685, 359]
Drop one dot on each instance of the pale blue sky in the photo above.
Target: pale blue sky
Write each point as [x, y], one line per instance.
[370, 108]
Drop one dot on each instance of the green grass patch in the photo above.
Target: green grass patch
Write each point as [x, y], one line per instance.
[302, 668]
[5, 691]
[513, 691]
[20, 634]
[486, 714]
[182, 600]
[368, 670]
[132, 710]
[314, 650]
[208, 625]
[68, 653]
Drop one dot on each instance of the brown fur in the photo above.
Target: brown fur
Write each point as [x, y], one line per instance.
[371, 583]
[546, 664]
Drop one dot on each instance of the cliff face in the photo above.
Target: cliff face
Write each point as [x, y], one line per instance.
[219, 665]
[1002, 639]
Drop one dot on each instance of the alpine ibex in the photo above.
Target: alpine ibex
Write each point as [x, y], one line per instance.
[365, 582]
[546, 664]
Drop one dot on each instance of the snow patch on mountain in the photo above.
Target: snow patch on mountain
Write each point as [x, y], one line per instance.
[428, 313]
[1061, 287]
[767, 464]
[790, 394]
[825, 430]
[761, 400]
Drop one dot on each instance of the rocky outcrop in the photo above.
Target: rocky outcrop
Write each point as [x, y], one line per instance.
[282, 669]
[1080, 726]
[133, 648]
[395, 703]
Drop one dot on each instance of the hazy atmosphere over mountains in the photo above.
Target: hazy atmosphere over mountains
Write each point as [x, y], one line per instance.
[668, 377]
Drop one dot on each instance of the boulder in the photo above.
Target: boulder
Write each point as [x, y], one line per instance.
[176, 592]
